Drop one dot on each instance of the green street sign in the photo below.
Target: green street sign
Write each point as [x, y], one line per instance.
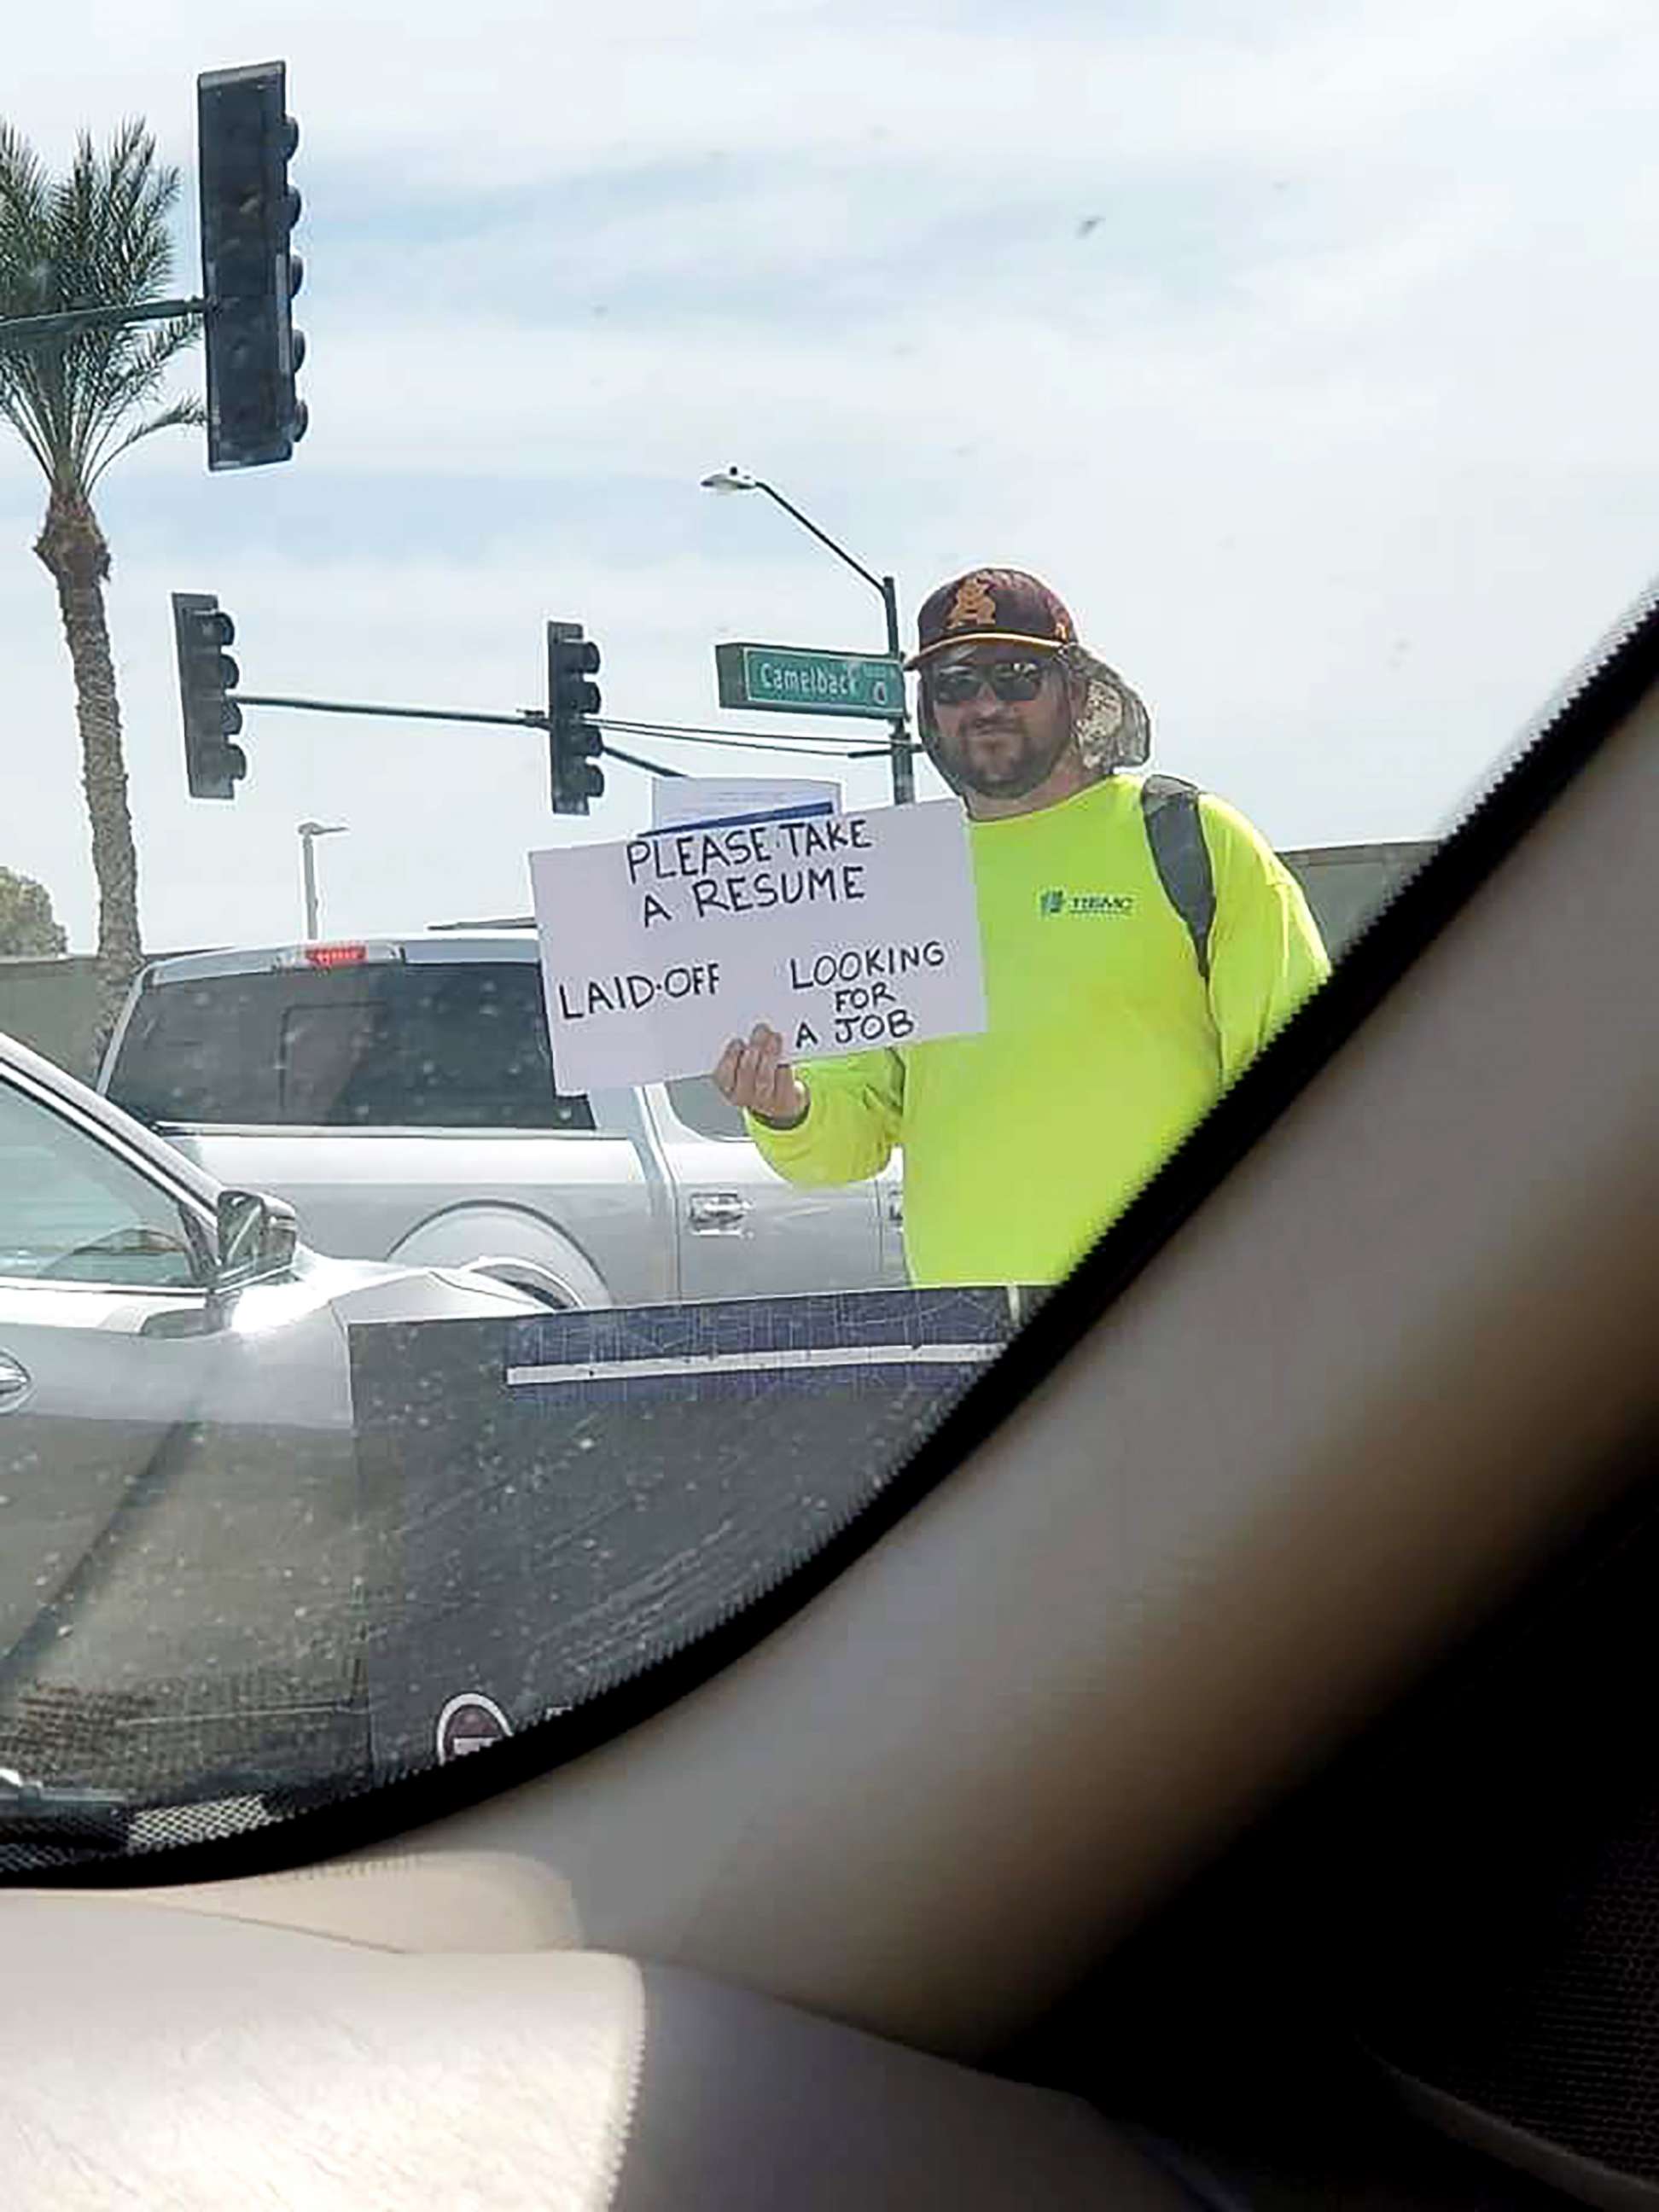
[799, 679]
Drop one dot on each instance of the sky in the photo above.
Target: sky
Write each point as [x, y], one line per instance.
[1307, 348]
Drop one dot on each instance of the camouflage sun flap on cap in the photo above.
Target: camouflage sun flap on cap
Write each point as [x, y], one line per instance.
[992, 606]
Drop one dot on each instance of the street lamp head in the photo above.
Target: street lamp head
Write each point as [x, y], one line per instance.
[322, 829]
[732, 479]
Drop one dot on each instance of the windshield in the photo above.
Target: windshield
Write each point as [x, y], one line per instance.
[686, 775]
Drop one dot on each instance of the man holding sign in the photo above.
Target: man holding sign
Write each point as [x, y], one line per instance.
[1141, 943]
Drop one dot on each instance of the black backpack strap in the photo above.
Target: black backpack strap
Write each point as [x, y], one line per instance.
[1170, 809]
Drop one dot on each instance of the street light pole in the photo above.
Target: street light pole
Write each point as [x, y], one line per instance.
[309, 832]
[735, 479]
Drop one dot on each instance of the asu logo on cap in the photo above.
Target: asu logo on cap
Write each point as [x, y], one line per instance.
[975, 606]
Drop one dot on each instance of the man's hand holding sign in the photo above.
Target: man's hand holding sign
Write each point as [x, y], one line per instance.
[757, 1076]
[835, 935]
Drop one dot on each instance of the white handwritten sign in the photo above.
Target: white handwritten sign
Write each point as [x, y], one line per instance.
[843, 933]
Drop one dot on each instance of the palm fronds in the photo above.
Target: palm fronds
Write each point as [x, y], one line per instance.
[99, 235]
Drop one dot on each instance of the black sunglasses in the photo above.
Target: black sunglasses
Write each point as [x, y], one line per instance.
[1015, 682]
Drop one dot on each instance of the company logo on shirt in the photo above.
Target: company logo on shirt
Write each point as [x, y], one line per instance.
[1112, 905]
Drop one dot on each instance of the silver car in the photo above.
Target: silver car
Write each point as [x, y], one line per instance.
[176, 1446]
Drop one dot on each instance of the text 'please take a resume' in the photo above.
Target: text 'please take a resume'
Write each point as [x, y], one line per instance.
[844, 933]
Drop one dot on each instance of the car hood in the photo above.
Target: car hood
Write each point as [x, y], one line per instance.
[384, 1290]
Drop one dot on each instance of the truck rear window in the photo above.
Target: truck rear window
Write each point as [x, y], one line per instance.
[381, 1046]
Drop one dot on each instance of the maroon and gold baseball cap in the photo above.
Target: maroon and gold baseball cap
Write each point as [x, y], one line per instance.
[998, 606]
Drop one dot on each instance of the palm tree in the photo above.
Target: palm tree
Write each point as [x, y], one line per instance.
[98, 236]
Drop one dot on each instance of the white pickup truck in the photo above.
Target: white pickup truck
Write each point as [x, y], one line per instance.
[400, 1096]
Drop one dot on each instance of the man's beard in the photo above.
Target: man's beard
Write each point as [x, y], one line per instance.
[1021, 774]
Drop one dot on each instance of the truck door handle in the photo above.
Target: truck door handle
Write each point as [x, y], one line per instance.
[716, 1212]
[15, 1384]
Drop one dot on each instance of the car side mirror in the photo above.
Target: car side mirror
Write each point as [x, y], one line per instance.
[257, 1239]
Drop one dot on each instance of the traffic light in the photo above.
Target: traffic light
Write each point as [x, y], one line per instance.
[207, 676]
[244, 140]
[574, 742]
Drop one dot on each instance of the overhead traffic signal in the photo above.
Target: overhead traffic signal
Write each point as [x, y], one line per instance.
[575, 744]
[207, 676]
[250, 273]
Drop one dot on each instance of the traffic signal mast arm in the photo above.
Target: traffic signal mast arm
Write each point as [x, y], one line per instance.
[531, 718]
[212, 766]
[34, 329]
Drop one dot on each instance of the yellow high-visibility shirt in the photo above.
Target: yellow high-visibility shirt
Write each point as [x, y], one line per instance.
[1104, 1047]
